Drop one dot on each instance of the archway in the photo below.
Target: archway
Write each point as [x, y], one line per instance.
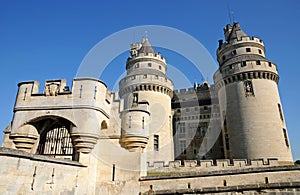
[55, 139]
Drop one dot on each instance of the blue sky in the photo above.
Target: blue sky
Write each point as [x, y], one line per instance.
[43, 40]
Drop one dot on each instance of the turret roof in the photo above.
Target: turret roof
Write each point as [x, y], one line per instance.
[146, 47]
[236, 32]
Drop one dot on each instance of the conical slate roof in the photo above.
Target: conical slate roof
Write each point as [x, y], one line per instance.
[146, 47]
[236, 33]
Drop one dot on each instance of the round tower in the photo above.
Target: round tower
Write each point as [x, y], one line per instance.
[247, 85]
[146, 81]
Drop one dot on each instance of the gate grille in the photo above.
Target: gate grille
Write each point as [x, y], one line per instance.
[56, 143]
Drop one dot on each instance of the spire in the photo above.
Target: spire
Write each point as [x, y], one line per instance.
[234, 32]
[146, 46]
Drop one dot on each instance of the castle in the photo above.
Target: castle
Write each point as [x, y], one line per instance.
[229, 137]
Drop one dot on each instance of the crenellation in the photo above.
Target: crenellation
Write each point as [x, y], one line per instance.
[242, 40]
[206, 163]
[190, 163]
[223, 163]
[219, 164]
[240, 163]
[174, 164]
[258, 162]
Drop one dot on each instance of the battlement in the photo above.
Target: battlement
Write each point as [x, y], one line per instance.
[199, 88]
[210, 165]
[84, 91]
[135, 54]
[157, 56]
[245, 39]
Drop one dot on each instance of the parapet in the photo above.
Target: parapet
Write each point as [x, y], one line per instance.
[56, 94]
[210, 165]
[243, 39]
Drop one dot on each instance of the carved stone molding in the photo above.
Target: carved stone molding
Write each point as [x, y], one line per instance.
[24, 142]
[84, 142]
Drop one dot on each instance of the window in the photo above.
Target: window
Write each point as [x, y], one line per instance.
[159, 67]
[181, 127]
[156, 77]
[156, 142]
[143, 122]
[259, 51]
[286, 138]
[234, 52]
[270, 64]
[280, 112]
[149, 65]
[248, 88]
[205, 108]
[182, 146]
[223, 58]
[248, 49]
[145, 76]
[103, 125]
[244, 63]
[227, 142]
[137, 65]
[257, 62]
[129, 125]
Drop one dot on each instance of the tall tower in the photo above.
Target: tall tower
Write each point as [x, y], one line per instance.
[253, 121]
[146, 81]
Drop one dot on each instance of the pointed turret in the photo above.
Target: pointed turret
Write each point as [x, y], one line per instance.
[146, 47]
[234, 32]
[238, 46]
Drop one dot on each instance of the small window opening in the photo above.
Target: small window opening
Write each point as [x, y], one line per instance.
[129, 125]
[270, 64]
[248, 49]
[227, 142]
[280, 112]
[103, 125]
[244, 63]
[266, 180]
[156, 142]
[286, 138]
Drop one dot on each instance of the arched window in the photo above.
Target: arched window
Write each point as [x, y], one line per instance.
[103, 125]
